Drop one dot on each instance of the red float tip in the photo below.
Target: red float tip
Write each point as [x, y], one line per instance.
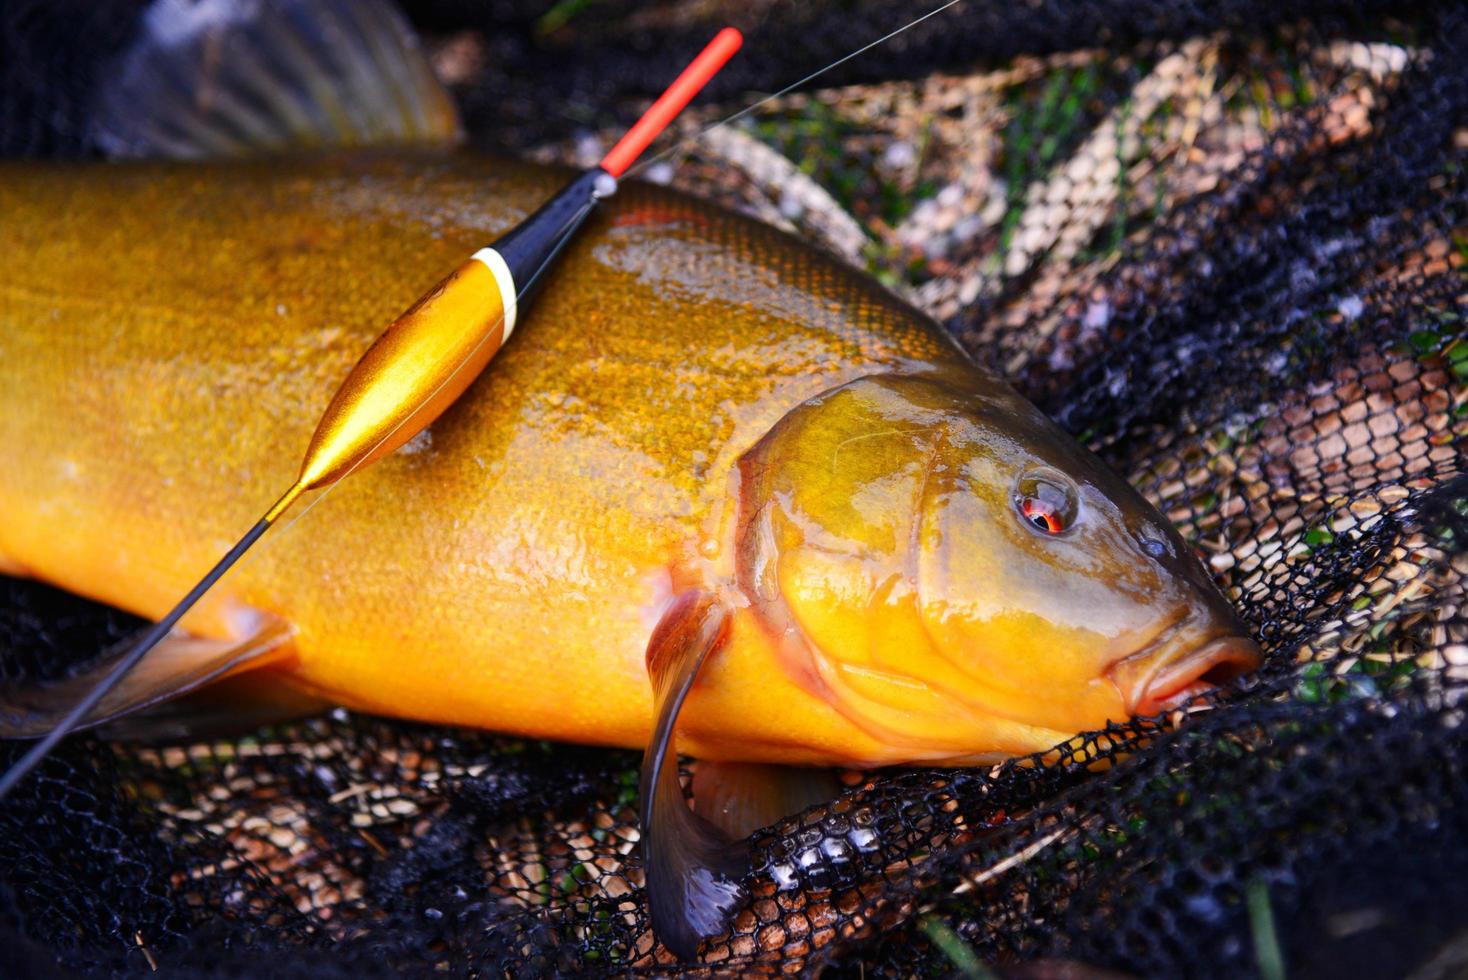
[671, 102]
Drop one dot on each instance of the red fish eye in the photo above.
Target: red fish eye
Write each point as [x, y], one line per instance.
[1044, 516]
[1047, 501]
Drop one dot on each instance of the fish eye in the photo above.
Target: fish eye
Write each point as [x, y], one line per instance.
[1046, 501]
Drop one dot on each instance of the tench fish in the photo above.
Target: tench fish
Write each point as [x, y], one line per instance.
[711, 454]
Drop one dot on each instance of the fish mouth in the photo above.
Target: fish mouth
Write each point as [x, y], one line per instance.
[1151, 682]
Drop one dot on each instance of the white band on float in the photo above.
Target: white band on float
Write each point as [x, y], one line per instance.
[497, 266]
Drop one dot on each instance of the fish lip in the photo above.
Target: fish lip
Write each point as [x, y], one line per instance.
[1174, 680]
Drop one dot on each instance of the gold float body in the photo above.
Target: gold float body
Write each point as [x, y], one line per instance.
[418, 367]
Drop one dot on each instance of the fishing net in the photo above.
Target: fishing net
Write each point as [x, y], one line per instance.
[1222, 244]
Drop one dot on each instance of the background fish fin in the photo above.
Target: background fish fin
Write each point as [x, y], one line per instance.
[178, 665]
[692, 868]
[227, 708]
[741, 797]
[214, 78]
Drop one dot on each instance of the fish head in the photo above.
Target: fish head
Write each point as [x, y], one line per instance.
[965, 581]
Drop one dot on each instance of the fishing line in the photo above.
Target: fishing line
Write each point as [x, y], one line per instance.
[727, 120]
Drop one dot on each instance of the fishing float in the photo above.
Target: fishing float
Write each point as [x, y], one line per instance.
[426, 358]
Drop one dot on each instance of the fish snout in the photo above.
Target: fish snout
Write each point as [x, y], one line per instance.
[1207, 645]
[1169, 673]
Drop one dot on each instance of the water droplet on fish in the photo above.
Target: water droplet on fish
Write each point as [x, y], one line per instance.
[420, 443]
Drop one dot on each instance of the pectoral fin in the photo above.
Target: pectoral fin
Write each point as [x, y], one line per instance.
[742, 797]
[176, 666]
[692, 868]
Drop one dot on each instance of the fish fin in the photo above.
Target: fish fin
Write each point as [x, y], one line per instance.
[224, 709]
[692, 868]
[742, 797]
[208, 79]
[176, 666]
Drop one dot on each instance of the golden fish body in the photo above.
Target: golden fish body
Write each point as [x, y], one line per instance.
[694, 402]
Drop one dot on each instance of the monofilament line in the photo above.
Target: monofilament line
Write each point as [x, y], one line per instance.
[787, 89]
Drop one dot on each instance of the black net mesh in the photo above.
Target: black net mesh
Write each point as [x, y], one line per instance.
[1223, 244]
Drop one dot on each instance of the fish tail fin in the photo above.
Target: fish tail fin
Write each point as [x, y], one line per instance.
[211, 79]
[178, 665]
